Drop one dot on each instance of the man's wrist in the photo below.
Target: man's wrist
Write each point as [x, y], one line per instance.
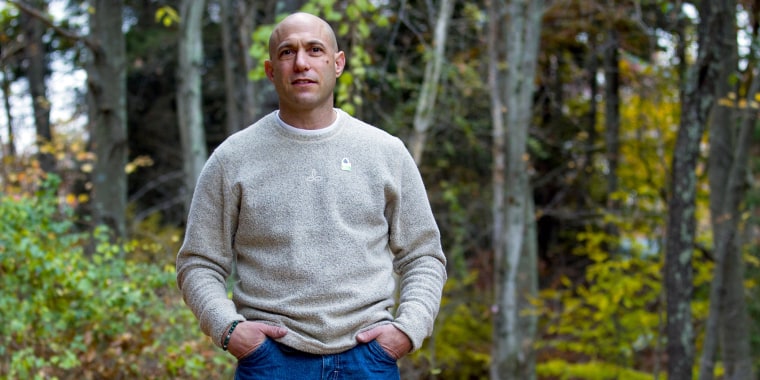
[228, 335]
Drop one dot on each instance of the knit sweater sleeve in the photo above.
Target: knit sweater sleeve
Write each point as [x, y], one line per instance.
[418, 257]
[205, 259]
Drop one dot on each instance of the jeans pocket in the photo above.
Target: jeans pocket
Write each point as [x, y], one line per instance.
[380, 352]
[257, 353]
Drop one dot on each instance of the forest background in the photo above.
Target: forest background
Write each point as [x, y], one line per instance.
[591, 165]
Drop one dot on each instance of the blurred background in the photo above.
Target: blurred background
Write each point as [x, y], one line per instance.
[590, 164]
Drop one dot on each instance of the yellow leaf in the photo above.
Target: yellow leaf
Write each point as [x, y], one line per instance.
[130, 168]
[603, 305]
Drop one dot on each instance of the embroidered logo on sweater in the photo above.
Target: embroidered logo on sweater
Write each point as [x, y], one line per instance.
[345, 165]
[314, 177]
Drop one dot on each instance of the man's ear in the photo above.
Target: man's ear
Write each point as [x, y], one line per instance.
[269, 70]
[340, 63]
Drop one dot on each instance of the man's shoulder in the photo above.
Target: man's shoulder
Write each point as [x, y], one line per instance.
[369, 131]
[246, 137]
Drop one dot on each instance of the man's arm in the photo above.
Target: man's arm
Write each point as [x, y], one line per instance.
[205, 259]
[418, 257]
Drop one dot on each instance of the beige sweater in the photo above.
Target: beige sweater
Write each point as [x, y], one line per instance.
[316, 224]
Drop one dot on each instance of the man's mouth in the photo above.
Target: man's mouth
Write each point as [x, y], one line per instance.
[303, 81]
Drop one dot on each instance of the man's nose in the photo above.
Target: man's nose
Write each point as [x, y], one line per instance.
[302, 61]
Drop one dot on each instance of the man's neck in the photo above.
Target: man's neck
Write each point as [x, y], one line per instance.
[316, 119]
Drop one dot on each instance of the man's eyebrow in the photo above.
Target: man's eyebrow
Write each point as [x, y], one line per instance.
[284, 44]
[316, 42]
[290, 44]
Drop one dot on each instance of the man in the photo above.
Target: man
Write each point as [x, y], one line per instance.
[315, 210]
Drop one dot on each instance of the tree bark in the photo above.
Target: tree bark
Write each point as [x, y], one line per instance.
[590, 125]
[36, 72]
[106, 81]
[728, 320]
[11, 150]
[189, 101]
[514, 330]
[612, 106]
[425, 111]
[698, 98]
[612, 123]
[237, 26]
[499, 152]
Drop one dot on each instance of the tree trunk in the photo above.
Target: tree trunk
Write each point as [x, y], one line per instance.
[499, 152]
[514, 330]
[612, 123]
[36, 72]
[11, 150]
[590, 125]
[698, 98]
[189, 101]
[425, 111]
[237, 26]
[106, 81]
[728, 321]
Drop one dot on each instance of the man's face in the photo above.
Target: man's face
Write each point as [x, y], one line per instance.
[304, 64]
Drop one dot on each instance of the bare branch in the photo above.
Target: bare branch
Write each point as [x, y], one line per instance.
[165, 205]
[156, 183]
[31, 11]
[10, 50]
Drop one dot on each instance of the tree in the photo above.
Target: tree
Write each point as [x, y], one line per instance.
[106, 85]
[424, 113]
[612, 117]
[36, 73]
[728, 322]
[189, 110]
[6, 84]
[698, 98]
[238, 24]
[8, 63]
[515, 256]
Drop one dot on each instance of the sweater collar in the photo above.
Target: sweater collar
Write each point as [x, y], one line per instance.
[328, 130]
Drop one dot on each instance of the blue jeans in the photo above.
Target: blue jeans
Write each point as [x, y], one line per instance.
[275, 361]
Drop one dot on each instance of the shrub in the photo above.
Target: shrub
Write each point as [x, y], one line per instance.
[460, 347]
[611, 323]
[73, 306]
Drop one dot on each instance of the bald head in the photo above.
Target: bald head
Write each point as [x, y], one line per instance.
[304, 65]
[302, 21]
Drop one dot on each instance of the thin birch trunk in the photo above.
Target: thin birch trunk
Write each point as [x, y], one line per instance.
[189, 100]
[514, 330]
[425, 111]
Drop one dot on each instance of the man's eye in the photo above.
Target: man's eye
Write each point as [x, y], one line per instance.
[286, 52]
[316, 50]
